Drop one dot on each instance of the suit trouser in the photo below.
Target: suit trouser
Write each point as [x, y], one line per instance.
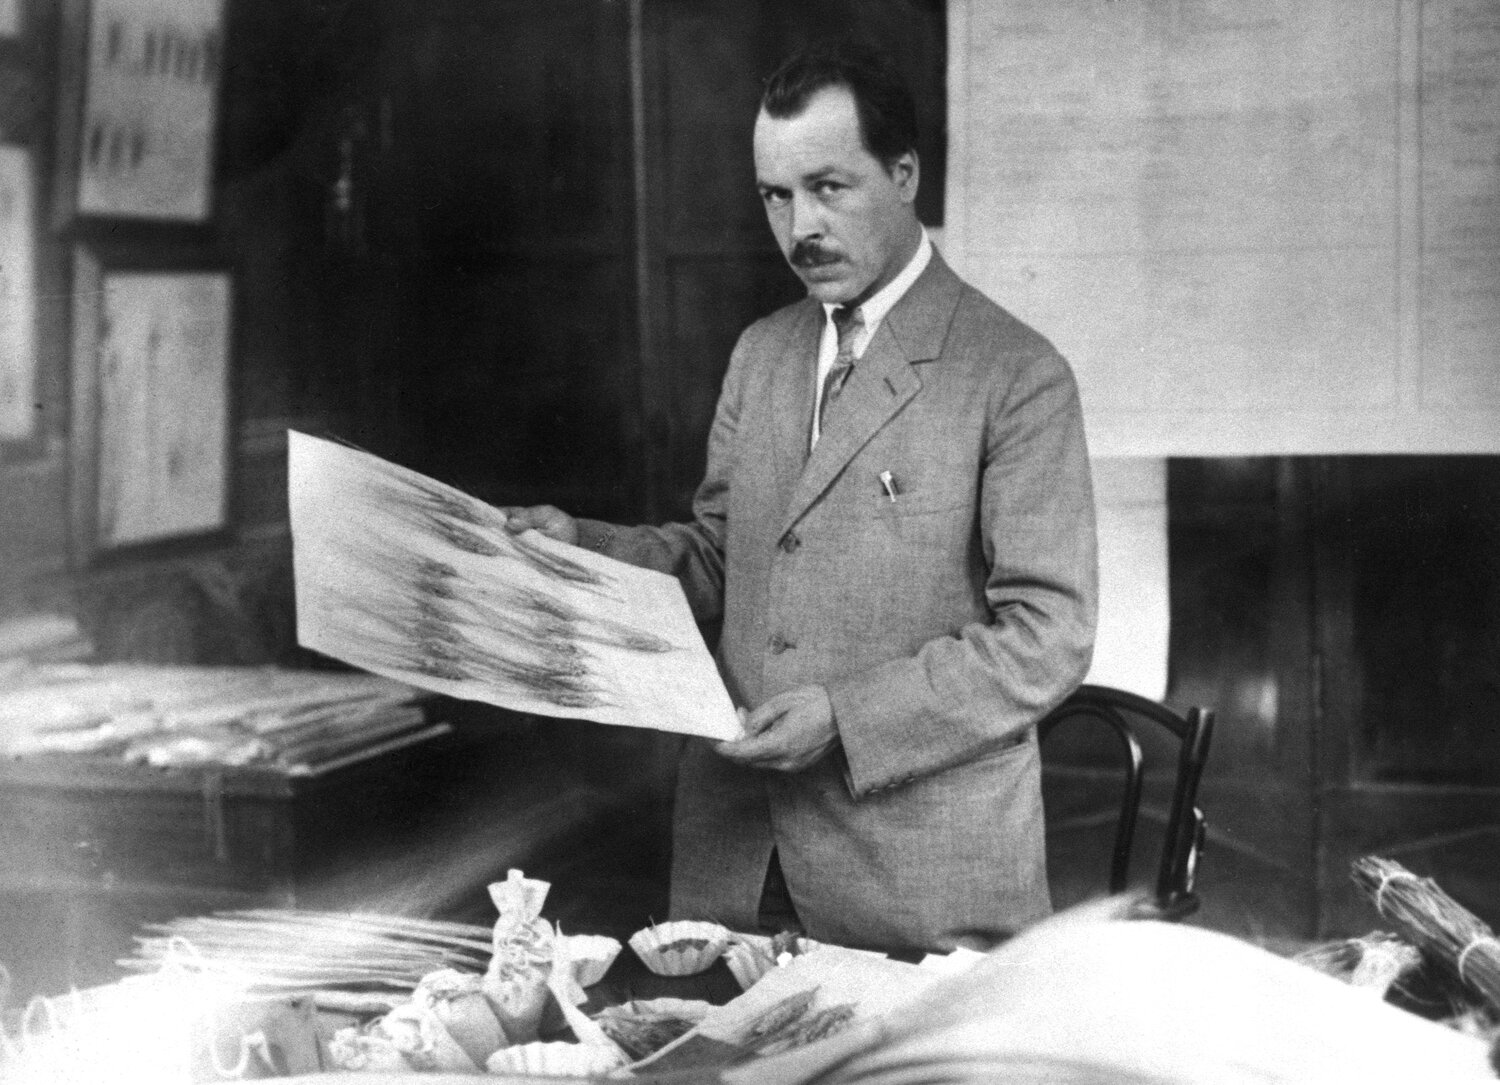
[777, 912]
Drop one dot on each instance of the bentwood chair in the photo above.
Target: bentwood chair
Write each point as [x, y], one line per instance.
[1124, 714]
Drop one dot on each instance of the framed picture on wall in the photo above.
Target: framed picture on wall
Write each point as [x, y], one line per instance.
[151, 410]
[18, 292]
[141, 109]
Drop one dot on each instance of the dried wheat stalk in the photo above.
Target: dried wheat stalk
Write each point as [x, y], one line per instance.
[1435, 923]
[294, 950]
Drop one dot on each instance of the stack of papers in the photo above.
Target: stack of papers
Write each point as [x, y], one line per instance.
[295, 721]
[40, 638]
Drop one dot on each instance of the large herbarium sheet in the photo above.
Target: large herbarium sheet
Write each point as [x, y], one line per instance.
[409, 578]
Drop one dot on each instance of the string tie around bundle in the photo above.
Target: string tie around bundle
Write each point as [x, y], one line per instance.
[1388, 876]
[251, 1045]
[1463, 957]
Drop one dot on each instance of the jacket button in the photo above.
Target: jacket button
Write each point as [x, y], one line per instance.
[790, 542]
[779, 644]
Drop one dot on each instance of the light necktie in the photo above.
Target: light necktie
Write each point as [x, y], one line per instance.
[848, 322]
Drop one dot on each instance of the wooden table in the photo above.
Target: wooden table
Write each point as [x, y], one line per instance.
[94, 847]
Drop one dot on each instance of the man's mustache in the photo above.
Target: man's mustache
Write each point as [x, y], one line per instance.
[806, 254]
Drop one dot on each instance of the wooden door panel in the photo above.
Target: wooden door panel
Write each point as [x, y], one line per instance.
[1407, 606]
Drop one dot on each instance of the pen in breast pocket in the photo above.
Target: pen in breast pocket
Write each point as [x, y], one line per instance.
[888, 484]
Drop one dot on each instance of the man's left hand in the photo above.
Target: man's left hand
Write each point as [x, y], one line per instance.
[788, 733]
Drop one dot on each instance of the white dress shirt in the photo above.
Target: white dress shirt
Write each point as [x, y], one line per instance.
[872, 311]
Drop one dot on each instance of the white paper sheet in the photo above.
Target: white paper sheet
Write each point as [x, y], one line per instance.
[163, 404]
[872, 983]
[1130, 648]
[149, 111]
[407, 577]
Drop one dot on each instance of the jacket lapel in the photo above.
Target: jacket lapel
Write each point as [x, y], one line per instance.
[883, 382]
[792, 396]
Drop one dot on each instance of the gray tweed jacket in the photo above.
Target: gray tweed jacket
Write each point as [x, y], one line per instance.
[943, 623]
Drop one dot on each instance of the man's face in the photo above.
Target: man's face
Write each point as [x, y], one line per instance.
[844, 222]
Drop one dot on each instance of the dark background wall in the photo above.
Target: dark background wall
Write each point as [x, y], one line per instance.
[510, 244]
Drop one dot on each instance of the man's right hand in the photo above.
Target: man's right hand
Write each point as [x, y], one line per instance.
[549, 520]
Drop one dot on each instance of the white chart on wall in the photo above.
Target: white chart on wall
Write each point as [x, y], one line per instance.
[1242, 223]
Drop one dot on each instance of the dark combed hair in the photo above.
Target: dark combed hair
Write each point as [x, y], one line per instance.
[887, 111]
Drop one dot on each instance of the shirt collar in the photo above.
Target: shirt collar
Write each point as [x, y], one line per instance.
[873, 309]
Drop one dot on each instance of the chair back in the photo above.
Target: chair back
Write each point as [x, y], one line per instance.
[1123, 713]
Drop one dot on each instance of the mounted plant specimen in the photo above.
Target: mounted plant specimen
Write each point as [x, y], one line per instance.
[435, 621]
[407, 577]
[473, 527]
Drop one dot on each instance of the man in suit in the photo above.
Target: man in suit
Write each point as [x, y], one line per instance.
[896, 528]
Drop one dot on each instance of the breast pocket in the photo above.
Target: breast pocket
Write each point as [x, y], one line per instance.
[894, 493]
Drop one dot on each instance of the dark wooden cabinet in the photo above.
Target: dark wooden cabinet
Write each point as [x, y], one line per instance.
[94, 848]
[507, 187]
[1408, 649]
[1342, 615]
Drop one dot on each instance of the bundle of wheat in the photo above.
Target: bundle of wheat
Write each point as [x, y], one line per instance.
[1435, 923]
[1373, 962]
[299, 951]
